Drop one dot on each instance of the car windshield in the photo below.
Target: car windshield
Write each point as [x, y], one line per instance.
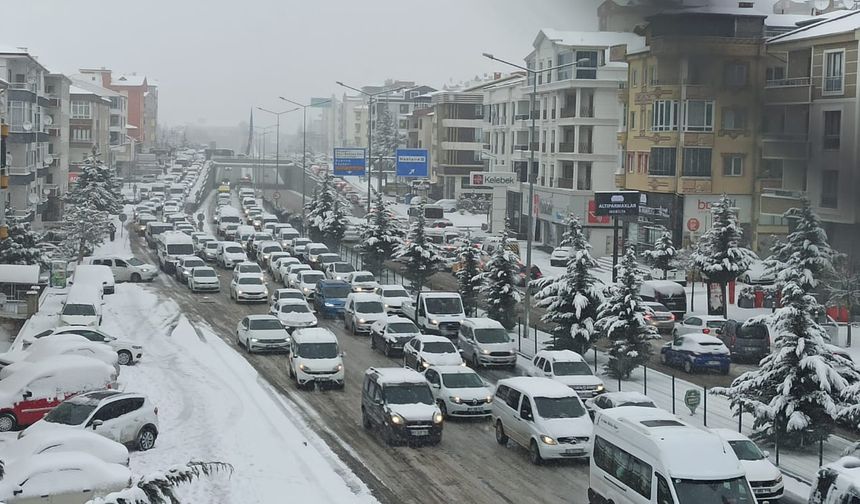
[290, 295]
[336, 291]
[716, 324]
[317, 350]
[493, 335]
[193, 263]
[295, 308]
[643, 404]
[329, 258]
[343, 268]
[730, 491]
[444, 306]
[462, 380]
[312, 278]
[180, 249]
[266, 324]
[271, 248]
[571, 369]
[753, 332]
[317, 250]
[212, 245]
[363, 278]
[250, 268]
[746, 450]
[657, 307]
[71, 412]
[395, 293]
[134, 261]
[233, 250]
[559, 407]
[408, 393]
[369, 307]
[205, 273]
[250, 281]
[402, 327]
[79, 309]
[439, 347]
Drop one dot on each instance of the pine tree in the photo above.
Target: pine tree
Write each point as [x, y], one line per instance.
[21, 246]
[334, 225]
[420, 256]
[320, 208]
[499, 287]
[85, 228]
[469, 279]
[96, 185]
[662, 256]
[802, 387]
[379, 237]
[622, 320]
[572, 300]
[719, 254]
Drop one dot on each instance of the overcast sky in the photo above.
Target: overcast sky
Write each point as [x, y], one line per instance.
[214, 59]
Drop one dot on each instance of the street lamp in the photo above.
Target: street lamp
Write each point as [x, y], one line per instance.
[370, 97]
[304, 144]
[257, 168]
[532, 143]
[278, 138]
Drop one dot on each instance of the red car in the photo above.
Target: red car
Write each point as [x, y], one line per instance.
[29, 394]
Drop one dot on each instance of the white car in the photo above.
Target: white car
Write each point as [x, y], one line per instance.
[210, 251]
[74, 477]
[485, 342]
[459, 391]
[204, 278]
[279, 270]
[265, 249]
[125, 417]
[280, 294]
[306, 281]
[393, 297]
[362, 281]
[569, 368]
[426, 350]
[127, 268]
[274, 257]
[248, 287]
[705, 324]
[230, 253]
[127, 352]
[298, 246]
[361, 310]
[262, 333]
[247, 267]
[294, 313]
[758, 274]
[559, 257]
[58, 344]
[315, 358]
[611, 400]
[764, 477]
[292, 277]
[201, 241]
[62, 441]
[185, 264]
[338, 270]
[392, 333]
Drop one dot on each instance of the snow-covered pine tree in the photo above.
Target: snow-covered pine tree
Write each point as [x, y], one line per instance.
[500, 291]
[319, 209]
[622, 320]
[720, 256]
[98, 186]
[572, 299]
[161, 487]
[662, 256]
[386, 138]
[802, 387]
[469, 279]
[85, 227]
[379, 237]
[21, 247]
[420, 256]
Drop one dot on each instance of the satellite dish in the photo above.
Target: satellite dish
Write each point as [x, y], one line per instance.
[33, 198]
[48, 120]
[8, 158]
[28, 126]
[46, 192]
[821, 4]
[49, 159]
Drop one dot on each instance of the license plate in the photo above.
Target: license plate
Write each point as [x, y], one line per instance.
[421, 432]
[573, 451]
[714, 363]
[475, 408]
[322, 379]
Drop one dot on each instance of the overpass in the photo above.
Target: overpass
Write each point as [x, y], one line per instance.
[267, 176]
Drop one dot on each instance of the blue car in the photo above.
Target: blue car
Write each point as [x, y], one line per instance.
[330, 297]
[696, 352]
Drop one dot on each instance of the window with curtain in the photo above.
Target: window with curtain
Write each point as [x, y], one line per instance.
[697, 162]
[662, 161]
[699, 115]
[834, 71]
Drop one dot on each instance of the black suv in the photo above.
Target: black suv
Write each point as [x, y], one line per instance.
[399, 403]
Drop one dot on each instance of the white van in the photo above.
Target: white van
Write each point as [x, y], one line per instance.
[644, 455]
[97, 275]
[315, 358]
[228, 215]
[127, 268]
[83, 305]
[171, 246]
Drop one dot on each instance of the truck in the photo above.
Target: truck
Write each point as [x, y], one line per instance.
[436, 312]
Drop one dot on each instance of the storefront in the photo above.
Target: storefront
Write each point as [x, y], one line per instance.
[698, 218]
[658, 212]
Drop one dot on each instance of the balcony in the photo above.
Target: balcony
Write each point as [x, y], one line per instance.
[785, 146]
[778, 201]
[586, 148]
[567, 147]
[564, 183]
[700, 92]
[521, 147]
[794, 90]
[21, 175]
[567, 112]
[586, 112]
[522, 117]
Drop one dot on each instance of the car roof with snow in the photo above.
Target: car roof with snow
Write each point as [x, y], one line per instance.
[291, 301]
[248, 274]
[560, 355]
[202, 268]
[538, 386]
[231, 244]
[314, 335]
[439, 294]
[395, 375]
[702, 338]
[627, 397]
[285, 290]
[95, 474]
[453, 369]
[263, 316]
[269, 243]
[483, 323]
[392, 286]
[64, 440]
[429, 338]
[665, 285]
[364, 296]
[391, 319]
[56, 366]
[246, 263]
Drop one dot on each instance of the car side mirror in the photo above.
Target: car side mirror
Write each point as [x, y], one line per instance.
[27, 394]
[525, 415]
[377, 401]
[18, 491]
[766, 454]
[96, 423]
[436, 385]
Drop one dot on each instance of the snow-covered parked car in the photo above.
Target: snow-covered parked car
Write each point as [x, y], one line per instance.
[764, 477]
[294, 313]
[393, 297]
[694, 352]
[569, 368]
[427, 350]
[391, 333]
[127, 268]
[559, 256]
[67, 478]
[362, 281]
[705, 324]
[262, 333]
[127, 352]
[125, 417]
[203, 278]
[61, 441]
[50, 346]
[758, 274]
[459, 391]
[611, 400]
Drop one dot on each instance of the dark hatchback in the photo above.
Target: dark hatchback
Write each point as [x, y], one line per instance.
[747, 341]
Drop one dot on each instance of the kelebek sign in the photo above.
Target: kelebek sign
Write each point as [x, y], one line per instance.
[492, 179]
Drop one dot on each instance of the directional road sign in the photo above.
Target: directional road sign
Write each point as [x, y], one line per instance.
[412, 163]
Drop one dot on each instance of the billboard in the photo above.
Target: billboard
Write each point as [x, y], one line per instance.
[349, 161]
[412, 163]
[616, 203]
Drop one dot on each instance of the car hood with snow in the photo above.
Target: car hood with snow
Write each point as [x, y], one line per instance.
[441, 359]
[760, 470]
[567, 427]
[21, 483]
[417, 412]
[46, 437]
[578, 380]
[297, 319]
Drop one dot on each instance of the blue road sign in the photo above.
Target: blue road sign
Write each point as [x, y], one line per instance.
[413, 163]
[349, 161]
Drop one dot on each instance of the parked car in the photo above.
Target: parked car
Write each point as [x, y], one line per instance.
[459, 391]
[616, 400]
[338, 270]
[659, 317]
[543, 416]
[746, 341]
[315, 358]
[362, 281]
[127, 268]
[391, 333]
[83, 306]
[559, 256]
[204, 278]
[125, 417]
[63, 441]
[127, 352]
[427, 350]
[393, 297]
[398, 402]
[293, 313]
[26, 396]
[26, 480]
[51, 346]
[705, 324]
[696, 351]
[484, 342]
[569, 368]
[185, 264]
[362, 309]
[764, 477]
[262, 333]
[248, 287]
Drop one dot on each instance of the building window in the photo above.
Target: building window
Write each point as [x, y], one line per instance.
[634, 77]
[697, 162]
[834, 72]
[81, 110]
[733, 165]
[16, 113]
[583, 176]
[404, 108]
[662, 162]
[734, 119]
[832, 129]
[586, 69]
[664, 115]
[775, 75]
[772, 169]
[565, 72]
[829, 188]
[736, 74]
[632, 119]
[642, 166]
[404, 124]
[700, 115]
[631, 162]
[81, 135]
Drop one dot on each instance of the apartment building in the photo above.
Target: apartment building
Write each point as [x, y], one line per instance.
[352, 122]
[54, 176]
[399, 103]
[150, 115]
[135, 88]
[809, 144]
[89, 124]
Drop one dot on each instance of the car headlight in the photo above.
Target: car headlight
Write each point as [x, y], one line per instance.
[361, 321]
[254, 340]
[329, 305]
[600, 388]
[303, 367]
[306, 289]
[485, 351]
[388, 306]
[397, 419]
[548, 440]
[425, 364]
[339, 367]
[779, 479]
[437, 418]
[239, 292]
[489, 399]
[455, 399]
[434, 322]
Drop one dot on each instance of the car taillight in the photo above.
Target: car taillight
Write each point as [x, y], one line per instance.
[155, 410]
[649, 317]
[672, 317]
[706, 331]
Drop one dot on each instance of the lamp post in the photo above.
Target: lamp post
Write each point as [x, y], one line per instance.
[277, 137]
[304, 108]
[261, 154]
[532, 143]
[370, 97]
